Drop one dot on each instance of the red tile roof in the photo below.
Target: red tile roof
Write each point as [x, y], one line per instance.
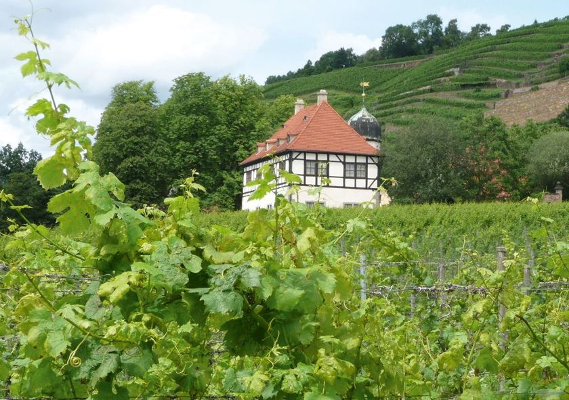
[318, 128]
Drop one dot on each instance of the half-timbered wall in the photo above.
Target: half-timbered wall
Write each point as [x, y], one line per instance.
[281, 162]
[352, 179]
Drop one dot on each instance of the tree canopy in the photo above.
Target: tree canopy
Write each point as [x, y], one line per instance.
[206, 125]
[549, 161]
[426, 159]
[16, 177]
[130, 145]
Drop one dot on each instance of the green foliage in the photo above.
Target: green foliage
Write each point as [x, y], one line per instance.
[122, 304]
[563, 118]
[426, 161]
[525, 56]
[399, 41]
[211, 126]
[16, 177]
[563, 66]
[549, 160]
[130, 144]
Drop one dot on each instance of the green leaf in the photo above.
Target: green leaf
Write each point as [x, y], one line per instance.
[217, 257]
[285, 298]
[56, 343]
[307, 240]
[116, 288]
[137, 361]
[486, 361]
[50, 172]
[223, 302]
[105, 392]
[108, 361]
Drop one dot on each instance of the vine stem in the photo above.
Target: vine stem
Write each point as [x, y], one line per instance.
[41, 64]
[540, 342]
[36, 230]
[53, 310]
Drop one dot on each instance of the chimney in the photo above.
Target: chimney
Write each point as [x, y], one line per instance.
[299, 105]
[321, 96]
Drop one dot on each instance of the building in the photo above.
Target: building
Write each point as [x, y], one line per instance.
[344, 158]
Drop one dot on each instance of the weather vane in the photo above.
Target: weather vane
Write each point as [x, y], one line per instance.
[364, 84]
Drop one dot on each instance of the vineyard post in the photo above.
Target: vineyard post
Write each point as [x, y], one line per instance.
[363, 283]
[529, 266]
[500, 257]
[442, 273]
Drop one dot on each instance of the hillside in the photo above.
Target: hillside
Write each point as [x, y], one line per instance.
[473, 77]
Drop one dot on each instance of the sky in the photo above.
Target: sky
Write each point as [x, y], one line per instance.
[104, 42]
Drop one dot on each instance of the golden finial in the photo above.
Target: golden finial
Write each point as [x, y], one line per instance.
[364, 84]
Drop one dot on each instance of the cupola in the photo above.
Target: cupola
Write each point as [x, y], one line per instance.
[366, 124]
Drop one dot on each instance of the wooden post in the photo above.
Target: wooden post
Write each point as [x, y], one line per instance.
[442, 274]
[412, 304]
[363, 282]
[500, 257]
[531, 262]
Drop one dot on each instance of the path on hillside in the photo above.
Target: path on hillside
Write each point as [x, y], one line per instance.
[540, 105]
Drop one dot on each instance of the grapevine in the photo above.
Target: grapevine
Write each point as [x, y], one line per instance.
[122, 303]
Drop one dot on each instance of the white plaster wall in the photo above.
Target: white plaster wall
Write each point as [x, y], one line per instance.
[336, 197]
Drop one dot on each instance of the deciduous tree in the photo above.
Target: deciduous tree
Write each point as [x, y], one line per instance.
[399, 41]
[130, 145]
[549, 161]
[426, 160]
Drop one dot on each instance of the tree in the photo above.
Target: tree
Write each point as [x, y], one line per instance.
[130, 145]
[563, 118]
[399, 41]
[17, 178]
[563, 65]
[341, 58]
[478, 31]
[453, 36]
[503, 29]
[278, 111]
[371, 55]
[493, 159]
[549, 161]
[212, 126]
[429, 33]
[426, 160]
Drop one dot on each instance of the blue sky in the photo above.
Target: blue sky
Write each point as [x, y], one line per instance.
[101, 43]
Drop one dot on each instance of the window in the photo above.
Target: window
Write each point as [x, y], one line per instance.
[310, 168]
[248, 176]
[351, 205]
[282, 165]
[318, 168]
[259, 174]
[311, 204]
[355, 170]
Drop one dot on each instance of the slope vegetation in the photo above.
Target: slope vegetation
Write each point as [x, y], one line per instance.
[474, 77]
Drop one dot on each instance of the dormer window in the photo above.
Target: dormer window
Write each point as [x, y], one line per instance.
[290, 137]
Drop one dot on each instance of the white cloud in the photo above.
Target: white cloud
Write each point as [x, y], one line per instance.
[329, 40]
[157, 43]
[469, 17]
